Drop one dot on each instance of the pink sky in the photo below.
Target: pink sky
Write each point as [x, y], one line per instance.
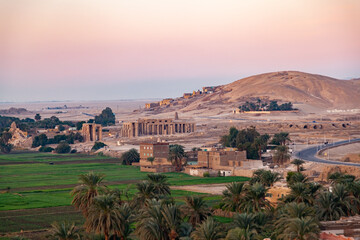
[128, 46]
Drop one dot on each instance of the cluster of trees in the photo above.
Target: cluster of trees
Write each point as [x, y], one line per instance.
[152, 214]
[5, 146]
[5, 123]
[254, 143]
[106, 118]
[128, 157]
[266, 106]
[42, 139]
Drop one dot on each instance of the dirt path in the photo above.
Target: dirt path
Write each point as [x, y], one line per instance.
[215, 189]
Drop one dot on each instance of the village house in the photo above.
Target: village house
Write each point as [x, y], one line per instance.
[223, 162]
[166, 101]
[154, 158]
[187, 95]
[152, 105]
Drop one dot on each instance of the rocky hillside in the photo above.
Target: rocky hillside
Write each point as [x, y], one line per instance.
[288, 86]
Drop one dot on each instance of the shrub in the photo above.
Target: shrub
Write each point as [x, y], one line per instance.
[73, 151]
[97, 146]
[63, 147]
[206, 174]
[45, 149]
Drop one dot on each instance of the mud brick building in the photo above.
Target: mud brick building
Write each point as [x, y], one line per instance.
[159, 152]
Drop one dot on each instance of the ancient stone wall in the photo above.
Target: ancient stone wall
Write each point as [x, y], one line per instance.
[91, 132]
[146, 127]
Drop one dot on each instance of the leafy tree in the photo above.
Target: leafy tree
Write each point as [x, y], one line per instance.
[176, 156]
[90, 186]
[106, 118]
[298, 163]
[209, 229]
[45, 149]
[97, 146]
[281, 155]
[103, 215]
[40, 140]
[37, 117]
[63, 147]
[5, 146]
[79, 125]
[65, 231]
[196, 209]
[61, 128]
[128, 157]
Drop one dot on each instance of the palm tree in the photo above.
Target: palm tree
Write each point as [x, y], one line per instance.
[90, 187]
[261, 143]
[65, 231]
[103, 216]
[298, 163]
[254, 199]
[326, 207]
[151, 160]
[267, 178]
[344, 200]
[196, 209]
[146, 191]
[281, 138]
[296, 218]
[176, 156]
[281, 155]
[158, 221]
[301, 192]
[295, 177]
[232, 196]
[301, 229]
[208, 230]
[241, 234]
[126, 218]
[245, 221]
[161, 186]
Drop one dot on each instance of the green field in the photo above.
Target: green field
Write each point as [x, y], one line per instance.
[32, 193]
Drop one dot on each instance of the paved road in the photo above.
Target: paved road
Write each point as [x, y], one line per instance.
[308, 154]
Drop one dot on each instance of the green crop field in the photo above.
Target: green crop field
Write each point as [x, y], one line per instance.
[33, 185]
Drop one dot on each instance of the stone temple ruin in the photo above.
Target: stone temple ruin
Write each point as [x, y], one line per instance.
[92, 132]
[146, 127]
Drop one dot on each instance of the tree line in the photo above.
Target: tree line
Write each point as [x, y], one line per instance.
[151, 213]
[260, 105]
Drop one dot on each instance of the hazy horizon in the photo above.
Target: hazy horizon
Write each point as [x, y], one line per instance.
[63, 50]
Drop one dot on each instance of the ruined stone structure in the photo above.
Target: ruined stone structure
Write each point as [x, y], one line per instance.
[92, 132]
[19, 138]
[145, 127]
[158, 153]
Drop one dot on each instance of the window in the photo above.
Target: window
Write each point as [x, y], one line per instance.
[151, 154]
[144, 154]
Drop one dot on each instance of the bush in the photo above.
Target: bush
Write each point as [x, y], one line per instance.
[63, 147]
[97, 146]
[45, 149]
[73, 151]
[40, 140]
[130, 156]
[206, 174]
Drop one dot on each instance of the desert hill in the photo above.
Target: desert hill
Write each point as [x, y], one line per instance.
[287, 86]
